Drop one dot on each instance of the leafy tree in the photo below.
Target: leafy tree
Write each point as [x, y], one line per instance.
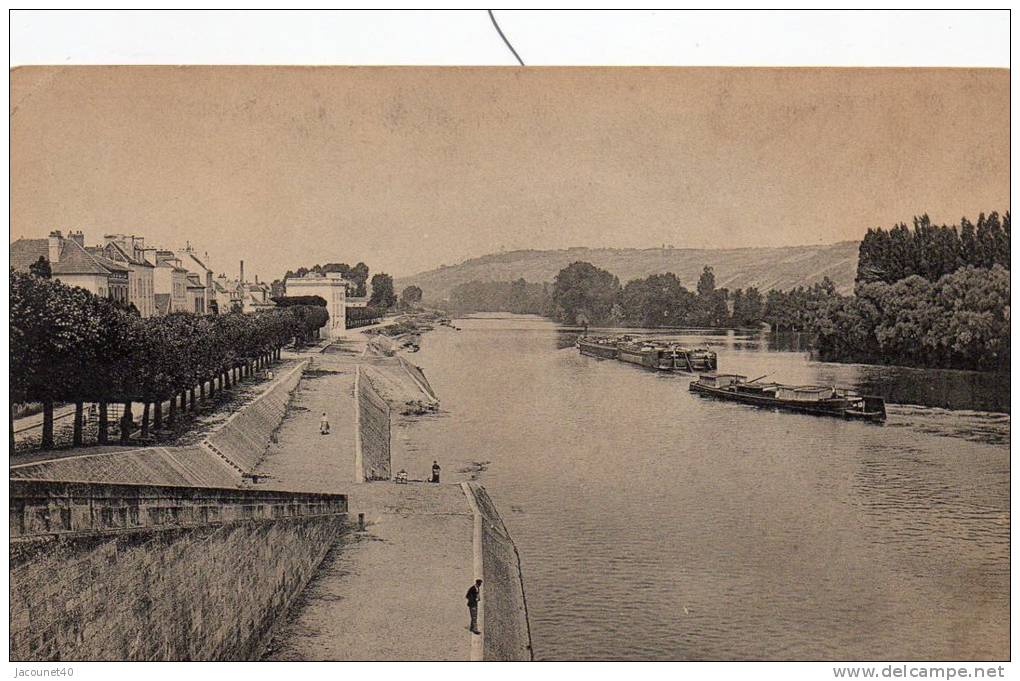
[583, 289]
[288, 301]
[382, 291]
[359, 276]
[41, 268]
[410, 296]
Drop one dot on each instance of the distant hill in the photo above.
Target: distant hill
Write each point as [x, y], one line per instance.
[766, 268]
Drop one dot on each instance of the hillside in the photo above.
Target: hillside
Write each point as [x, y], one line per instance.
[766, 268]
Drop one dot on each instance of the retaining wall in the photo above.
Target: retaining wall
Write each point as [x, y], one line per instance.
[197, 466]
[244, 438]
[374, 430]
[505, 610]
[418, 376]
[139, 572]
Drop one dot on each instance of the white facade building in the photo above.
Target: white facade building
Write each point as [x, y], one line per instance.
[332, 288]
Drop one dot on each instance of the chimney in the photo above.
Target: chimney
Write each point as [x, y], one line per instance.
[242, 271]
[78, 237]
[256, 278]
[55, 240]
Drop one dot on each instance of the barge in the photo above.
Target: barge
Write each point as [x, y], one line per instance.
[807, 399]
[651, 354]
[648, 355]
[598, 346]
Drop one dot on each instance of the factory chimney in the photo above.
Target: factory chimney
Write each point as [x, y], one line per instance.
[242, 271]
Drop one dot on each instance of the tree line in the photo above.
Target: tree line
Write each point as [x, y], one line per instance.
[932, 251]
[934, 296]
[585, 294]
[69, 345]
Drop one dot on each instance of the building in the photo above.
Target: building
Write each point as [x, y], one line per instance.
[129, 251]
[221, 295]
[196, 292]
[71, 264]
[190, 261]
[170, 282]
[332, 288]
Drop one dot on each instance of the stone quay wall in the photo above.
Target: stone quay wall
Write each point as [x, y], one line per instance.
[374, 430]
[141, 572]
[504, 607]
[245, 437]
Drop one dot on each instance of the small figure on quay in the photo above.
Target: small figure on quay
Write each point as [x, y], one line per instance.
[324, 424]
[474, 594]
[435, 471]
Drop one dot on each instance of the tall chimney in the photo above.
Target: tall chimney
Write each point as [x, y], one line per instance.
[242, 271]
[54, 246]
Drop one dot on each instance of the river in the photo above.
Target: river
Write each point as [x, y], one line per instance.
[654, 524]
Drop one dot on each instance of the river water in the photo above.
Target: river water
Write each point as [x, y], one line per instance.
[656, 524]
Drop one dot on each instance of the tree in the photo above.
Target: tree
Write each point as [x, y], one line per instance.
[41, 268]
[410, 296]
[288, 301]
[706, 282]
[583, 289]
[359, 276]
[382, 291]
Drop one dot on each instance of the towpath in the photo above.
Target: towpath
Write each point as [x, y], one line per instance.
[396, 590]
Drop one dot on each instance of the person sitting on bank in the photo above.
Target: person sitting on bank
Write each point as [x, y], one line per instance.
[435, 471]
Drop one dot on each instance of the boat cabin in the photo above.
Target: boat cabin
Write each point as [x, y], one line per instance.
[804, 393]
[721, 380]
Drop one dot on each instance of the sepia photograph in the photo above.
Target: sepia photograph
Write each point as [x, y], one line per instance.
[350, 362]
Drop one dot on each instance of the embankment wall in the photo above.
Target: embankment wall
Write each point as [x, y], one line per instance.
[505, 610]
[244, 438]
[374, 430]
[196, 466]
[139, 572]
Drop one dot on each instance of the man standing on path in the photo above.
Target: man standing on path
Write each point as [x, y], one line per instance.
[474, 594]
[435, 471]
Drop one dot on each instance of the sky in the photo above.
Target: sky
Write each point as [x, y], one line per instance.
[410, 168]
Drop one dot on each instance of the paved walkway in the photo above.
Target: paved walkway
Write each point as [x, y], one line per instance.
[302, 459]
[395, 591]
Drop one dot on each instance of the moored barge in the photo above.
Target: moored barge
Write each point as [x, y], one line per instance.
[808, 399]
[598, 346]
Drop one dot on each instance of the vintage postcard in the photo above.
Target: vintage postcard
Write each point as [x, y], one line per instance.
[477, 363]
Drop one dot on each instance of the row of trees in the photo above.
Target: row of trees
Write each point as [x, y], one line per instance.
[931, 251]
[585, 294]
[961, 321]
[68, 345]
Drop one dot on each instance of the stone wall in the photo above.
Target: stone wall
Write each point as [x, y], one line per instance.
[374, 430]
[196, 466]
[244, 438]
[139, 572]
[505, 610]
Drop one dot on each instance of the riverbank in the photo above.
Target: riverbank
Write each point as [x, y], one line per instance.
[394, 590]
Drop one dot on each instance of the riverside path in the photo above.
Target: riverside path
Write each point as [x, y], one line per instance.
[394, 591]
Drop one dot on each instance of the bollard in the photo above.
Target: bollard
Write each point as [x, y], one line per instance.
[361, 522]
